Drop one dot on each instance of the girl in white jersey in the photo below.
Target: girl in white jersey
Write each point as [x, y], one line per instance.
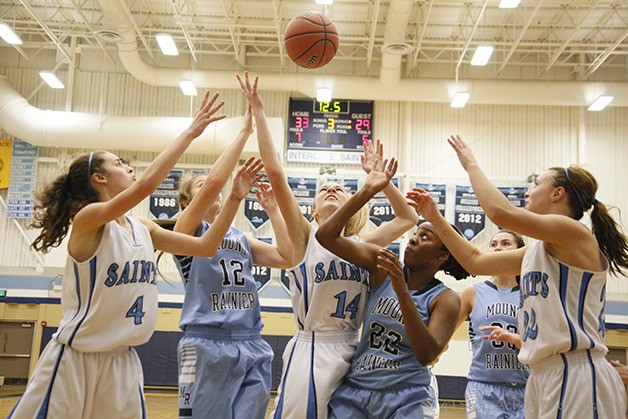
[563, 279]
[109, 299]
[222, 352]
[328, 293]
[410, 316]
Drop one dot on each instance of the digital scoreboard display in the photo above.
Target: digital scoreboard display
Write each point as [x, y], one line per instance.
[328, 132]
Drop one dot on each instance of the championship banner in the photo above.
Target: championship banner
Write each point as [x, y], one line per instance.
[284, 278]
[253, 210]
[21, 193]
[262, 273]
[304, 190]
[515, 195]
[380, 211]
[6, 147]
[350, 184]
[469, 216]
[436, 191]
[164, 201]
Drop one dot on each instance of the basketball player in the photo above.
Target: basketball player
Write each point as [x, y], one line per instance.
[496, 379]
[222, 353]
[328, 293]
[410, 316]
[563, 279]
[109, 302]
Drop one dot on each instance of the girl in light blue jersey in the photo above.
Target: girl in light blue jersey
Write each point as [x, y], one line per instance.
[410, 316]
[109, 299]
[224, 364]
[496, 379]
[562, 288]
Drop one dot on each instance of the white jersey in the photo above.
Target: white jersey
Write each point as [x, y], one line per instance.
[562, 306]
[328, 293]
[110, 300]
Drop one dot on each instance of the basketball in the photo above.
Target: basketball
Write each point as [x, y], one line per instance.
[311, 40]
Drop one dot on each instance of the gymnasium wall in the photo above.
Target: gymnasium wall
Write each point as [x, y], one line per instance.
[511, 143]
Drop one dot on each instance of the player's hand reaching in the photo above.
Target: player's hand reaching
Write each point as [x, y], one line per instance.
[246, 177]
[423, 203]
[465, 155]
[380, 174]
[266, 197]
[501, 335]
[389, 263]
[250, 91]
[371, 155]
[206, 114]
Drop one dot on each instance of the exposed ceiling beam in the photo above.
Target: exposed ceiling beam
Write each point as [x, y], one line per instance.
[602, 57]
[515, 44]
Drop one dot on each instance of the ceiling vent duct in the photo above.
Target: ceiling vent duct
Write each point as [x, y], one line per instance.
[109, 36]
[397, 48]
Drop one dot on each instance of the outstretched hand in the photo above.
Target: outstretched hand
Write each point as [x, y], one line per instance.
[423, 203]
[206, 114]
[388, 262]
[465, 155]
[371, 155]
[250, 91]
[247, 176]
[266, 197]
[381, 173]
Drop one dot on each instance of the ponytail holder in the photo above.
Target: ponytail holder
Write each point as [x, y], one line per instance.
[594, 202]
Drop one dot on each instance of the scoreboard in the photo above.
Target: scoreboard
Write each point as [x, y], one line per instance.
[328, 132]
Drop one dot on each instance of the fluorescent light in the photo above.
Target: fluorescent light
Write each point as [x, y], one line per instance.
[187, 87]
[460, 99]
[166, 43]
[8, 35]
[482, 55]
[323, 94]
[324, 2]
[51, 80]
[600, 103]
[509, 4]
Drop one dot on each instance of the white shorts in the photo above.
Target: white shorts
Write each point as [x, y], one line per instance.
[574, 385]
[314, 364]
[84, 385]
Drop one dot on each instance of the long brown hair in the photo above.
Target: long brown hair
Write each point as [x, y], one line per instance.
[60, 200]
[581, 187]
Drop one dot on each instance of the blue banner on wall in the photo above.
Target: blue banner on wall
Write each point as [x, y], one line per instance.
[436, 191]
[469, 216]
[254, 212]
[164, 201]
[515, 195]
[262, 274]
[380, 211]
[350, 184]
[304, 190]
[23, 180]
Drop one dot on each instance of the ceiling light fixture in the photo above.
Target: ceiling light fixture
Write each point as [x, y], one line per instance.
[460, 99]
[166, 43]
[8, 35]
[188, 88]
[323, 94]
[600, 103]
[51, 80]
[482, 55]
[509, 4]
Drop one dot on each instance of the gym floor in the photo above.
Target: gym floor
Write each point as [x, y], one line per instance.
[162, 404]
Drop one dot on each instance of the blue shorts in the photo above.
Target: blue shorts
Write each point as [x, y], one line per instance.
[223, 374]
[409, 402]
[494, 401]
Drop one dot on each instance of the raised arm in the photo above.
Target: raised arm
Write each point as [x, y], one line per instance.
[427, 341]
[97, 214]
[405, 217]
[552, 228]
[193, 214]
[329, 234]
[207, 244]
[472, 259]
[467, 301]
[297, 224]
[264, 254]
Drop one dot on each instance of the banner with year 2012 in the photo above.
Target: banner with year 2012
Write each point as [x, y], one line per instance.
[380, 211]
[164, 202]
[436, 191]
[469, 216]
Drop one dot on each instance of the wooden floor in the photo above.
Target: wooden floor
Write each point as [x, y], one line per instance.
[163, 404]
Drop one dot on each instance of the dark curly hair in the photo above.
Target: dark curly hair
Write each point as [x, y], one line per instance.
[451, 266]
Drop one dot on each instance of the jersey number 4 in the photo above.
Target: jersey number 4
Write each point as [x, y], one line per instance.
[136, 310]
[342, 307]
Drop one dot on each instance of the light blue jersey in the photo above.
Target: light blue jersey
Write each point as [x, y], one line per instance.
[220, 291]
[384, 356]
[493, 361]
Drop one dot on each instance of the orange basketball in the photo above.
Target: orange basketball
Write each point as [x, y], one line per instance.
[311, 40]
